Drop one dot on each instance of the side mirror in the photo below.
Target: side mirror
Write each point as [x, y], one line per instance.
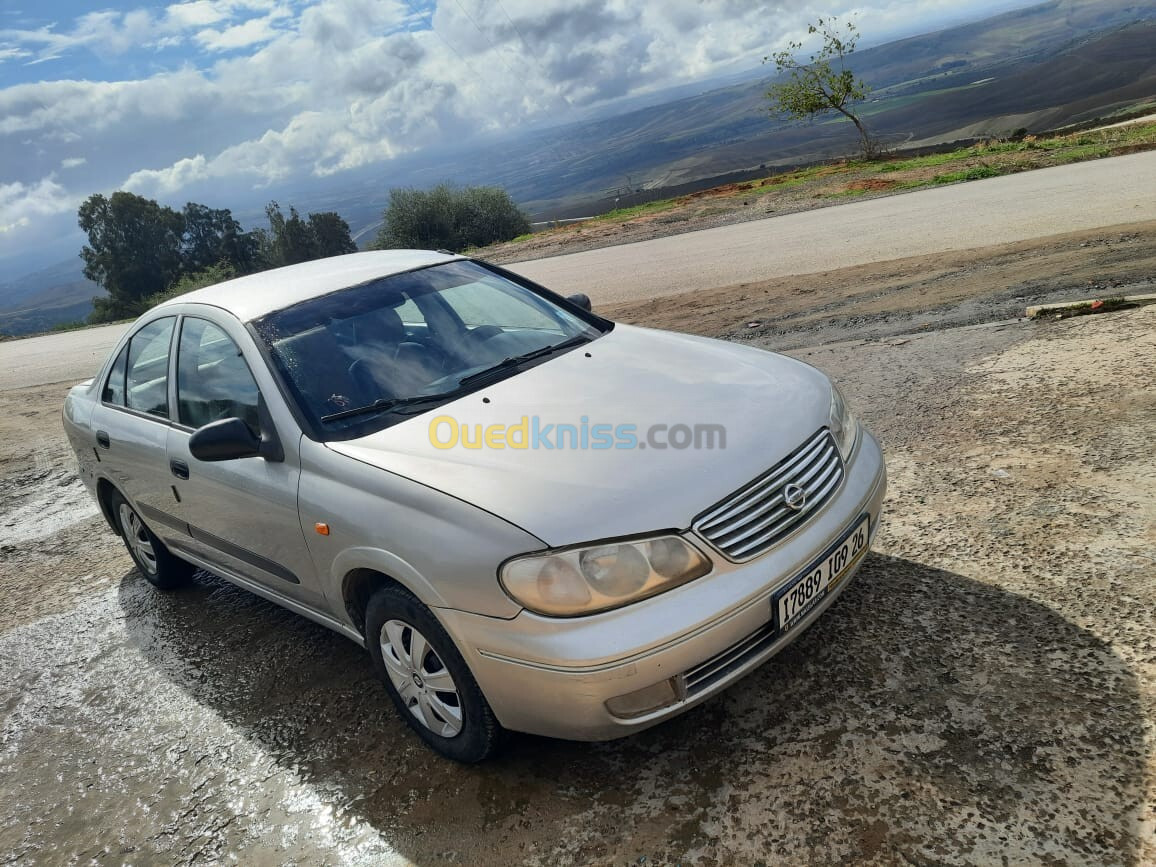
[224, 440]
[580, 299]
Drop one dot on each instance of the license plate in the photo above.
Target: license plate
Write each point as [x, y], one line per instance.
[798, 599]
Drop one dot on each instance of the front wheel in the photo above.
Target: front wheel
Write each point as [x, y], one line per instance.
[153, 560]
[427, 679]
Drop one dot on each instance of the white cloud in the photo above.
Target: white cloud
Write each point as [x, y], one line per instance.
[89, 108]
[198, 13]
[21, 204]
[251, 92]
[253, 32]
[160, 182]
[108, 32]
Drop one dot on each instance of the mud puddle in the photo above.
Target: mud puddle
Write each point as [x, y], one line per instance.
[41, 503]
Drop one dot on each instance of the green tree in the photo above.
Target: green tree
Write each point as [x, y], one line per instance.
[450, 218]
[211, 236]
[133, 250]
[142, 252]
[289, 240]
[824, 83]
[293, 239]
[331, 235]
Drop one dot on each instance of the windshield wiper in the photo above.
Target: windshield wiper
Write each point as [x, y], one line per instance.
[385, 403]
[515, 360]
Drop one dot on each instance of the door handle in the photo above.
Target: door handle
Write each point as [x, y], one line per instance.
[179, 468]
[102, 439]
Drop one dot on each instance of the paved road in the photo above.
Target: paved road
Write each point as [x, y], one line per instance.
[70, 355]
[999, 210]
[960, 217]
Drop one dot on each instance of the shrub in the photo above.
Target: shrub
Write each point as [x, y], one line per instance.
[210, 276]
[450, 218]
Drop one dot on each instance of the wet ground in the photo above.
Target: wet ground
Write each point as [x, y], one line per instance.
[983, 694]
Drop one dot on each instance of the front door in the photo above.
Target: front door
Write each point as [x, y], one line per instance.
[241, 514]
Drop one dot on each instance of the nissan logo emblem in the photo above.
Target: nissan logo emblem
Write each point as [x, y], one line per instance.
[795, 496]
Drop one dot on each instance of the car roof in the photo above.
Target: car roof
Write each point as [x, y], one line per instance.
[254, 295]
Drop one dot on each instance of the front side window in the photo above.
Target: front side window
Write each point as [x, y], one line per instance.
[147, 369]
[213, 380]
[362, 358]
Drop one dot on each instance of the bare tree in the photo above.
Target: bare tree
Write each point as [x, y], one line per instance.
[824, 83]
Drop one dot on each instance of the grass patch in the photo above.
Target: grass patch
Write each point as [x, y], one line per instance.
[926, 162]
[619, 214]
[1104, 305]
[1058, 149]
[1080, 154]
[68, 326]
[976, 173]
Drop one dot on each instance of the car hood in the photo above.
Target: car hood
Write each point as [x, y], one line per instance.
[768, 405]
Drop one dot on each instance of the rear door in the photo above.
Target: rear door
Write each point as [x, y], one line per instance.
[131, 426]
[241, 514]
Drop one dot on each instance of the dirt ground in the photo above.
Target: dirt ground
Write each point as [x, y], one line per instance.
[984, 693]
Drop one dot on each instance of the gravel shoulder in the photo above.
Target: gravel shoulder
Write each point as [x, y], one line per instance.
[985, 690]
[879, 300]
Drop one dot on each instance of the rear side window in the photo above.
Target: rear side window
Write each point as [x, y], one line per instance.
[147, 371]
[213, 380]
[114, 385]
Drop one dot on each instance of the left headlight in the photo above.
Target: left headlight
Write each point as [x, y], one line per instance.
[595, 578]
[843, 423]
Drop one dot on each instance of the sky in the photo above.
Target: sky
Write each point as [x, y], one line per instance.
[219, 101]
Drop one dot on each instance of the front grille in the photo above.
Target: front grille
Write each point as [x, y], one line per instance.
[707, 674]
[751, 520]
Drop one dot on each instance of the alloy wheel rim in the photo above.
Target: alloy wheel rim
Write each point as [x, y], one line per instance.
[421, 678]
[137, 536]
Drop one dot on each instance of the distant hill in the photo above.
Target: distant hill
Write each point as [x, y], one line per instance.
[38, 301]
[1040, 67]
[1086, 77]
[1035, 31]
[1057, 63]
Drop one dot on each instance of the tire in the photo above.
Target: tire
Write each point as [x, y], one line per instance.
[455, 719]
[153, 560]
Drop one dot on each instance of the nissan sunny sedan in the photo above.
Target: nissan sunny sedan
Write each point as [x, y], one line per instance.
[533, 518]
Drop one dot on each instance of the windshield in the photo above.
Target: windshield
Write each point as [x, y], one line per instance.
[362, 358]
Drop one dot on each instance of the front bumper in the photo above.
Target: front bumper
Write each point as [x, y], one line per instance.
[553, 677]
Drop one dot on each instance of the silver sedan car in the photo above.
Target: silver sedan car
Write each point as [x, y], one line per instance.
[533, 518]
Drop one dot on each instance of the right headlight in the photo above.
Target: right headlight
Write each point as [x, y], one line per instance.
[843, 424]
[593, 578]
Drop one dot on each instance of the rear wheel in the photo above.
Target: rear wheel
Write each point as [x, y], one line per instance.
[428, 680]
[153, 560]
